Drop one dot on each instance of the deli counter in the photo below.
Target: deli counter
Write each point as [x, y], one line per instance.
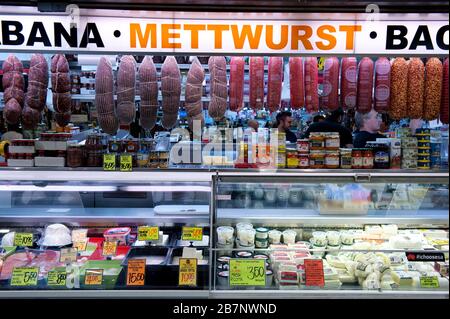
[375, 234]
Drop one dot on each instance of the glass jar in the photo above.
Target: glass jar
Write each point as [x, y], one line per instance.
[357, 159]
[332, 159]
[303, 161]
[346, 158]
[303, 146]
[316, 142]
[367, 159]
[291, 158]
[317, 159]
[332, 141]
[380, 155]
[75, 155]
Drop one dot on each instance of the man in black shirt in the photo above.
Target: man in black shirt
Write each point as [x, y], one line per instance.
[368, 126]
[331, 124]
[284, 122]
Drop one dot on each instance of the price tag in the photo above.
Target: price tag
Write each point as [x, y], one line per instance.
[24, 276]
[136, 272]
[79, 235]
[192, 233]
[148, 233]
[314, 272]
[429, 282]
[188, 272]
[109, 162]
[80, 245]
[68, 255]
[247, 272]
[93, 277]
[321, 64]
[57, 278]
[109, 248]
[23, 239]
[126, 163]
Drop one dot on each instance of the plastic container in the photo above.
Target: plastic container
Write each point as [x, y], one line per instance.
[289, 236]
[120, 234]
[274, 236]
[225, 235]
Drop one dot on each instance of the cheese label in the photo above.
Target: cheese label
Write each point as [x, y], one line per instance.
[68, 255]
[188, 272]
[79, 234]
[192, 233]
[429, 282]
[247, 272]
[23, 239]
[314, 272]
[25, 276]
[109, 162]
[148, 233]
[93, 277]
[57, 278]
[126, 163]
[80, 245]
[109, 248]
[136, 272]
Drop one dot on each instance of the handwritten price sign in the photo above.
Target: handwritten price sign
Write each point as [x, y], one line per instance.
[80, 245]
[109, 248]
[136, 272]
[314, 272]
[109, 162]
[24, 276]
[148, 233]
[429, 282]
[247, 272]
[68, 255]
[93, 277]
[192, 233]
[188, 272]
[23, 239]
[126, 163]
[57, 278]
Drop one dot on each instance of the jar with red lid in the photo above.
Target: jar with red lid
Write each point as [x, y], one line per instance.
[357, 160]
[367, 159]
[303, 161]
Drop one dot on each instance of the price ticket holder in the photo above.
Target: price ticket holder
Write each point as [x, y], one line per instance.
[192, 234]
[314, 273]
[247, 272]
[188, 272]
[136, 272]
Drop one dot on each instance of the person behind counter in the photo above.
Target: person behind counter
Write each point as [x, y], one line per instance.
[284, 122]
[331, 124]
[368, 126]
[253, 124]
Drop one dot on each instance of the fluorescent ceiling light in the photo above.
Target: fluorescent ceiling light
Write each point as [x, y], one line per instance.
[54, 188]
[160, 188]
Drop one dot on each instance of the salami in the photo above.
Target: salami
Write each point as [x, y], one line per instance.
[275, 82]
[60, 78]
[13, 84]
[297, 85]
[36, 95]
[237, 65]
[330, 91]
[311, 83]
[256, 101]
[126, 90]
[104, 98]
[218, 87]
[382, 85]
[194, 91]
[399, 89]
[445, 89]
[349, 73]
[433, 89]
[365, 85]
[171, 91]
[416, 85]
[148, 87]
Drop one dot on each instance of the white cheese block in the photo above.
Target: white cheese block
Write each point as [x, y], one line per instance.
[402, 278]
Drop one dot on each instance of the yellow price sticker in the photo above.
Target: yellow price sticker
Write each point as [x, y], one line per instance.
[109, 162]
[136, 272]
[148, 233]
[188, 272]
[109, 248]
[23, 239]
[57, 278]
[247, 272]
[126, 163]
[80, 245]
[68, 255]
[192, 233]
[93, 277]
[321, 64]
[24, 276]
[429, 282]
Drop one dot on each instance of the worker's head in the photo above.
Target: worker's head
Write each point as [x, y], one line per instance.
[335, 116]
[368, 122]
[318, 118]
[284, 120]
[253, 124]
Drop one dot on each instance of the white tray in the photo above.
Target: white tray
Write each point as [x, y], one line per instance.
[182, 210]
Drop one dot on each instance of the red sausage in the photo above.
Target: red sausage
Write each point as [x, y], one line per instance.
[348, 83]
[237, 65]
[382, 85]
[297, 85]
[275, 82]
[311, 80]
[330, 95]
[365, 86]
[256, 82]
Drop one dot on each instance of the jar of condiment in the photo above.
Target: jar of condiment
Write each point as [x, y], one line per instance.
[61, 154]
[303, 161]
[346, 158]
[75, 155]
[317, 159]
[303, 146]
[316, 142]
[332, 159]
[332, 141]
[357, 160]
[367, 159]
[291, 158]
[115, 146]
[29, 156]
[380, 155]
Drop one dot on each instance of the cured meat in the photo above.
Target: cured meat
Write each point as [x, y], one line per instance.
[365, 85]
[311, 83]
[12, 64]
[416, 86]
[275, 82]
[148, 87]
[104, 98]
[12, 111]
[15, 260]
[399, 89]
[126, 83]
[330, 87]
[15, 93]
[297, 85]
[348, 82]
[256, 101]
[193, 93]
[13, 84]
[433, 89]
[60, 78]
[237, 68]
[171, 92]
[13, 79]
[30, 118]
[45, 261]
[36, 95]
[218, 87]
[445, 88]
[382, 85]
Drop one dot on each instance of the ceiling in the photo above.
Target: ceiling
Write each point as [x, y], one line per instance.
[399, 6]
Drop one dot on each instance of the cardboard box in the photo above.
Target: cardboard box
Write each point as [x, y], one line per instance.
[20, 162]
[21, 149]
[51, 146]
[50, 161]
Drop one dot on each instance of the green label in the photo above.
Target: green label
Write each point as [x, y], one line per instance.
[126, 163]
[24, 276]
[247, 272]
[109, 162]
[429, 282]
[57, 278]
[192, 233]
[23, 239]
